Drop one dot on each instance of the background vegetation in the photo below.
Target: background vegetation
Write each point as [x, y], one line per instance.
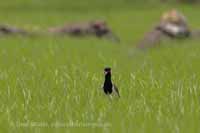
[50, 79]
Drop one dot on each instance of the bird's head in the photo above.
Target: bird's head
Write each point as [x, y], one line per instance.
[99, 25]
[107, 70]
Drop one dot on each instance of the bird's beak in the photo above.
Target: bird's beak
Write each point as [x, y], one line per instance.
[106, 72]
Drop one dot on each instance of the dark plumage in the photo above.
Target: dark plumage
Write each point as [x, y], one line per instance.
[109, 87]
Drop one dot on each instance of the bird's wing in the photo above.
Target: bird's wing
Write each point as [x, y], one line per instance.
[112, 37]
[116, 90]
[195, 34]
[151, 39]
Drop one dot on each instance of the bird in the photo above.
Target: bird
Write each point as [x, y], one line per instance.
[108, 87]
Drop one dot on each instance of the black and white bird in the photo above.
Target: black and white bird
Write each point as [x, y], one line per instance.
[108, 87]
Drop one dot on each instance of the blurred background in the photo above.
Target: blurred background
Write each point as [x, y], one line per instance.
[49, 78]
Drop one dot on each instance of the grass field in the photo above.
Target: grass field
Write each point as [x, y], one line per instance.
[49, 83]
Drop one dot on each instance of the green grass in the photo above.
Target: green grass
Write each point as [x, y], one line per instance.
[47, 79]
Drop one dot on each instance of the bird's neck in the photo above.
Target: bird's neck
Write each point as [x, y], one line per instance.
[108, 79]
